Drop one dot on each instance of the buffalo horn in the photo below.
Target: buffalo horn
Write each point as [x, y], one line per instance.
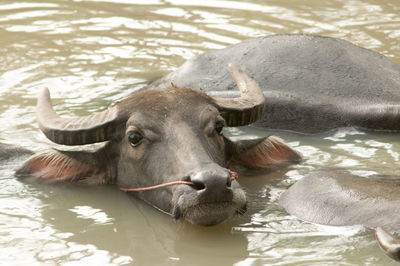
[388, 243]
[93, 128]
[246, 109]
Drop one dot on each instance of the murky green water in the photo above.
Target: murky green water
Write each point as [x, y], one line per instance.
[90, 53]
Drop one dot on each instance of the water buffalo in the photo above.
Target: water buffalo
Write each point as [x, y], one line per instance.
[160, 136]
[339, 197]
[312, 83]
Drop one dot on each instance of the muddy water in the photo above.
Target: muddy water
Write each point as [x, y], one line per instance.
[90, 53]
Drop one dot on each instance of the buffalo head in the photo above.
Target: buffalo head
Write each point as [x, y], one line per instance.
[154, 137]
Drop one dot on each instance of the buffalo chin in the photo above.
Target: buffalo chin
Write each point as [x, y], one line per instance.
[208, 214]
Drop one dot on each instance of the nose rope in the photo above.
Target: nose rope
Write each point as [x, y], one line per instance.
[234, 176]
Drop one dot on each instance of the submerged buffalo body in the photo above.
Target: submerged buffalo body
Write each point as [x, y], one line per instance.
[311, 83]
[338, 197]
[156, 137]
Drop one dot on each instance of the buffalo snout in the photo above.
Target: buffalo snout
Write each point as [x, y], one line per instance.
[213, 184]
[214, 197]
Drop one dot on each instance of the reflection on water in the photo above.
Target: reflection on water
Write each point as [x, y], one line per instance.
[91, 53]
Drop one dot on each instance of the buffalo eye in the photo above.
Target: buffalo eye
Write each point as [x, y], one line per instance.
[219, 125]
[135, 138]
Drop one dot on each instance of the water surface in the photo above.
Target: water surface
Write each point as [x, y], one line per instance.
[91, 53]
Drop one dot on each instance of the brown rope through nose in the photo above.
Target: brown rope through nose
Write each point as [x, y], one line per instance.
[233, 175]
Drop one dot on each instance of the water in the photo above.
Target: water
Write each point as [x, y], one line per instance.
[91, 53]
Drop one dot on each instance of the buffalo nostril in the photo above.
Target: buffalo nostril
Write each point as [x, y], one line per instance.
[198, 185]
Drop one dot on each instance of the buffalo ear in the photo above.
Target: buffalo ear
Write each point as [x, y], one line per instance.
[260, 155]
[65, 166]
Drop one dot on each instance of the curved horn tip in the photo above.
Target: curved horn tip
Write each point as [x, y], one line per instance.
[245, 84]
[388, 243]
[235, 69]
[43, 106]
[44, 93]
[246, 109]
[237, 73]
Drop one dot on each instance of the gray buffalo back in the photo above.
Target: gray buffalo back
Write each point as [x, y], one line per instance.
[311, 83]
